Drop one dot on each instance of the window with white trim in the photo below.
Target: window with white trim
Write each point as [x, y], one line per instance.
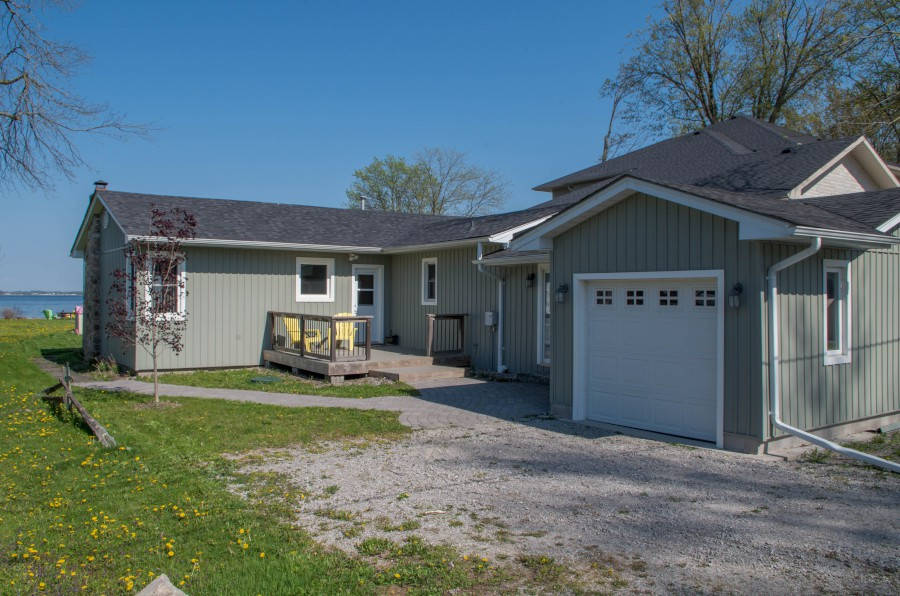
[544, 302]
[315, 279]
[163, 283]
[429, 281]
[836, 296]
[165, 286]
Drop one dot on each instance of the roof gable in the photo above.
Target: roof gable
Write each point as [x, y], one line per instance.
[758, 217]
[857, 168]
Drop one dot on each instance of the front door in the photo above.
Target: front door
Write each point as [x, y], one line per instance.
[367, 298]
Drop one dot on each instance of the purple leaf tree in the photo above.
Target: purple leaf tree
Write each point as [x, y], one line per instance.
[146, 304]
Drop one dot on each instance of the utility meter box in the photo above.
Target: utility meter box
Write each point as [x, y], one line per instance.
[490, 318]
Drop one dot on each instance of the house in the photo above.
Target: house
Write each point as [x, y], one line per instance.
[640, 287]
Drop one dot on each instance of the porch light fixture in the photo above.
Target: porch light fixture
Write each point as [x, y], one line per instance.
[734, 296]
[561, 292]
[529, 281]
[352, 257]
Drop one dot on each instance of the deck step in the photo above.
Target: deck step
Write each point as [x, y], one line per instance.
[408, 374]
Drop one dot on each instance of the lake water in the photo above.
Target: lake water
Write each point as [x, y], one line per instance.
[32, 306]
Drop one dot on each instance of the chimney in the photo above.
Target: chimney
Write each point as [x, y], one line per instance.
[100, 185]
[362, 202]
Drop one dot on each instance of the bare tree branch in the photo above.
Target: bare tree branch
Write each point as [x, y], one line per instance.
[39, 117]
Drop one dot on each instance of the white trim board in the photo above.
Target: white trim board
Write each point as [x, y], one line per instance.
[579, 329]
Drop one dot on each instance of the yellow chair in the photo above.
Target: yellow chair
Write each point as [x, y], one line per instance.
[345, 331]
[312, 336]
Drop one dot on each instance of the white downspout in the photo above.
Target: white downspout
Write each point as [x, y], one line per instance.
[501, 286]
[775, 363]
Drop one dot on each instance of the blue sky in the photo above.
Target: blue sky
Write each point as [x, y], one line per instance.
[283, 101]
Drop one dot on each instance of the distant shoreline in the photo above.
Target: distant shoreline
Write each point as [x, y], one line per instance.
[35, 293]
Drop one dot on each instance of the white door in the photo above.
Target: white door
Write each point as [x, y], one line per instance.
[367, 298]
[651, 355]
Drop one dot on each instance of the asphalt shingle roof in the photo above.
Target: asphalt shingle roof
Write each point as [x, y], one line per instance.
[741, 154]
[224, 219]
[872, 208]
[741, 162]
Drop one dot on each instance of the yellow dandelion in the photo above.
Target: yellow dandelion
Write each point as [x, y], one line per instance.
[262, 555]
[171, 553]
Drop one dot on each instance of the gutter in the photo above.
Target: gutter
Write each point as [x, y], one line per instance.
[774, 366]
[501, 287]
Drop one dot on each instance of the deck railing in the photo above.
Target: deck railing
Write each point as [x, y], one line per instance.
[446, 334]
[335, 338]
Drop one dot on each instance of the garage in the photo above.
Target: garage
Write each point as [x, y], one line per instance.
[649, 352]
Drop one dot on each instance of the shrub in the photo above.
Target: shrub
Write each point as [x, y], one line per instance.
[12, 313]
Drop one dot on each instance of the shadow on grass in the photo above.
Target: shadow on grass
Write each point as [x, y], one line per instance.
[74, 357]
[68, 416]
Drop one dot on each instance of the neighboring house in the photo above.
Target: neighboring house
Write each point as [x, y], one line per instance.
[640, 287]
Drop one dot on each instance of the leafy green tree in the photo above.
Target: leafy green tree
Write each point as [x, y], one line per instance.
[826, 67]
[438, 182]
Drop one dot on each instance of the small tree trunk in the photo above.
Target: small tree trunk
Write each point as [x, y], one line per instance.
[155, 380]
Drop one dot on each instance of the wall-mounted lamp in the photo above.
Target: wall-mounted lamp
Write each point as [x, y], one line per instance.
[734, 296]
[561, 292]
[529, 281]
[352, 257]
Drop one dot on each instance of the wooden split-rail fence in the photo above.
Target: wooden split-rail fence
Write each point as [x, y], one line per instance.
[69, 401]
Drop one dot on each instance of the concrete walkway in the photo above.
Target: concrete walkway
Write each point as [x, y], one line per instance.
[465, 403]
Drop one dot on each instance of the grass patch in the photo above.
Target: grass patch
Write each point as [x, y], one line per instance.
[386, 525]
[240, 379]
[77, 517]
[335, 514]
[886, 446]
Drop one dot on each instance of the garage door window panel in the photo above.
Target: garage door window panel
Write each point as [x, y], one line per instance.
[634, 297]
[705, 298]
[668, 297]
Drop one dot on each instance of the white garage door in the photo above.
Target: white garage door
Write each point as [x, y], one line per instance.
[651, 355]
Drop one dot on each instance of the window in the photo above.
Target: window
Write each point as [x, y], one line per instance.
[365, 289]
[604, 297]
[164, 287]
[836, 294]
[429, 281]
[705, 298]
[315, 280]
[634, 297]
[544, 302]
[668, 297]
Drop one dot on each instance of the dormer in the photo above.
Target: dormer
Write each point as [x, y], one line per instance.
[858, 168]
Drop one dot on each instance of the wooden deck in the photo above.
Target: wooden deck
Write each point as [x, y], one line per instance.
[381, 357]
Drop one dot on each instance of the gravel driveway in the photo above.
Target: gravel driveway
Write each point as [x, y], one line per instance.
[666, 517]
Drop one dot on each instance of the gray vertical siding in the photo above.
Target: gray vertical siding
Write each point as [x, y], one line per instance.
[462, 289]
[231, 290]
[643, 233]
[815, 395]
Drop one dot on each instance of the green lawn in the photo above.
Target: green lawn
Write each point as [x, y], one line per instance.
[75, 516]
[240, 379]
